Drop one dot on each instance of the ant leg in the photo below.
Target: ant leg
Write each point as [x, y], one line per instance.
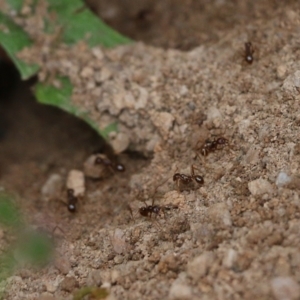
[193, 168]
[202, 160]
[163, 211]
[131, 212]
[197, 147]
[59, 228]
[160, 185]
[178, 185]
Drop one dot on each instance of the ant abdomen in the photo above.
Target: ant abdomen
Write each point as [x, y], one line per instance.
[199, 179]
[72, 201]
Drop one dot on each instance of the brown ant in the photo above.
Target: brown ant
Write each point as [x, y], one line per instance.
[72, 200]
[187, 179]
[249, 53]
[108, 163]
[211, 146]
[148, 210]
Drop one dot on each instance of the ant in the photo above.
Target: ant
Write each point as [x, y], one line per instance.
[211, 146]
[186, 179]
[249, 53]
[108, 163]
[72, 200]
[148, 210]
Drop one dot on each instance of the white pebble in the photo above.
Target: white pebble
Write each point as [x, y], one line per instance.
[183, 90]
[219, 214]
[260, 186]
[281, 71]
[52, 186]
[120, 142]
[199, 266]
[213, 113]
[229, 258]
[285, 288]
[97, 52]
[282, 179]
[180, 291]
[87, 72]
[163, 121]
[93, 170]
[214, 117]
[292, 82]
[118, 241]
[142, 97]
[76, 182]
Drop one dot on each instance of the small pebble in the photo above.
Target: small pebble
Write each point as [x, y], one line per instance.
[76, 182]
[120, 142]
[46, 297]
[118, 241]
[282, 179]
[252, 156]
[214, 117]
[94, 278]
[118, 259]
[69, 284]
[285, 288]
[87, 72]
[50, 287]
[97, 52]
[163, 121]
[199, 266]
[213, 113]
[229, 258]
[260, 186]
[291, 83]
[281, 71]
[93, 170]
[219, 214]
[63, 265]
[52, 186]
[141, 97]
[180, 291]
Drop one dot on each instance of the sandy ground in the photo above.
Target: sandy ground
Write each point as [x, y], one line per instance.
[234, 237]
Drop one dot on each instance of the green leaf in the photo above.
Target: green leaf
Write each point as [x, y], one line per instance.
[15, 4]
[13, 39]
[7, 264]
[75, 23]
[96, 293]
[61, 97]
[79, 23]
[35, 248]
[9, 215]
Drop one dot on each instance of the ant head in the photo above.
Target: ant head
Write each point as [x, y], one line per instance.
[176, 176]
